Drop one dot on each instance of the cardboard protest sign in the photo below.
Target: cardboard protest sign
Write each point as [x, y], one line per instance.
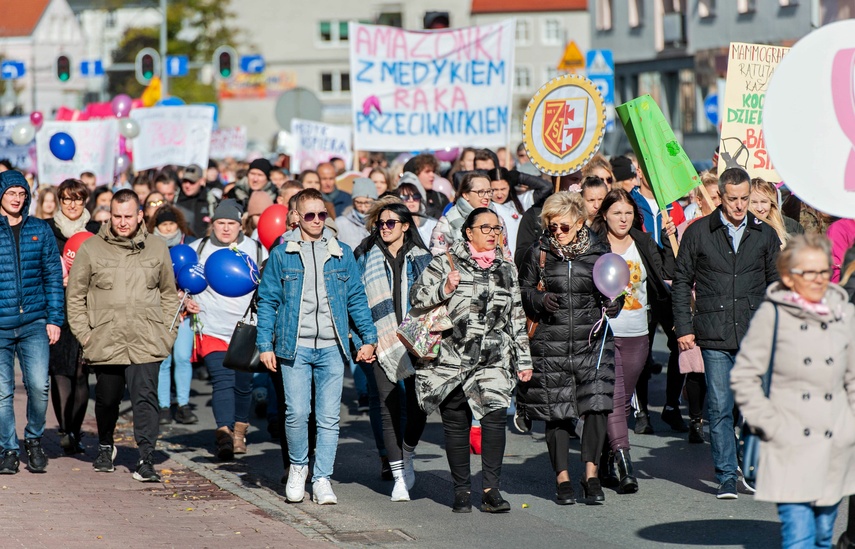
[809, 119]
[742, 145]
[228, 143]
[316, 142]
[415, 90]
[96, 146]
[21, 156]
[173, 135]
[564, 125]
[664, 162]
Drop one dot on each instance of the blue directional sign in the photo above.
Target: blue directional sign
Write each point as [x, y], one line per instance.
[252, 64]
[177, 65]
[93, 67]
[12, 70]
[600, 66]
[711, 108]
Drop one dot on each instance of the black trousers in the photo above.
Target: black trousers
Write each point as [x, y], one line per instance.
[593, 438]
[141, 380]
[279, 387]
[390, 410]
[696, 392]
[674, 380]
[456, 422]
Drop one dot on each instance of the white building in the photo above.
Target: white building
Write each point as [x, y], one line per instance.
[35, 32]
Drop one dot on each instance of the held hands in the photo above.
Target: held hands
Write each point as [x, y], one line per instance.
[550, 302]
[52, 333]
[686, 342]
[452, 281]
[365, 354]
[268, 358]
[524, 375]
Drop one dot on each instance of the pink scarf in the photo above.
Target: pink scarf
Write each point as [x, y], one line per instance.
[817, 308]
[483, 259]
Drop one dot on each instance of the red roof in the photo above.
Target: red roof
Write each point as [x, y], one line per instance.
[522, 6]
[20, 17]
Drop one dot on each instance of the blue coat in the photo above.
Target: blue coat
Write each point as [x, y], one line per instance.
[30, 280]
[280, 297]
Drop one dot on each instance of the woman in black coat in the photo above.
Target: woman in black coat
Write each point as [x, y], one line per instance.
[572, 378]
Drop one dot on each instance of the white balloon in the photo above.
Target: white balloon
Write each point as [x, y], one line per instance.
[129, 128]
[23, 133]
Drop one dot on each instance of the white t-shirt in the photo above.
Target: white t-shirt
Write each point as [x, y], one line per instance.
[512, 219]
[632, 321]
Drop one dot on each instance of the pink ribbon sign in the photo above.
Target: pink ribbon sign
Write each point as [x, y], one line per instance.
[843, 96]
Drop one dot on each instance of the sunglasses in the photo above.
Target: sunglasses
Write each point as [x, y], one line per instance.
[564, 228]
[154, 203]
[388, 224]
[309, 217]
[610, 180]
[411, 197]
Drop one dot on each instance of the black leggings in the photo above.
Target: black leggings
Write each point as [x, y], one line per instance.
[593, 438]
[141, 380]
[279, 387]
[390, 410]
[456, 422]
[70, 397]
[696, 392]
[674, 379]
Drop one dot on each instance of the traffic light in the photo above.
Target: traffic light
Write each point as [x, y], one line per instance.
[437, 20]
[224, 62]
[63, 68]
[147, 65]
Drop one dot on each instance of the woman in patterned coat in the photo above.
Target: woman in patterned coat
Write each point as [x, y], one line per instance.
[480, 357]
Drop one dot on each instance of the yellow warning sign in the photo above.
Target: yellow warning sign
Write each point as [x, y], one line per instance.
[572, 60]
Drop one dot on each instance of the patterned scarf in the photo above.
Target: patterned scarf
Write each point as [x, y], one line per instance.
[574, 249]
[69, 228]
[821, 308]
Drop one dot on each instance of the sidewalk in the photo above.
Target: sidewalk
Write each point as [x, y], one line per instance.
[73, 506]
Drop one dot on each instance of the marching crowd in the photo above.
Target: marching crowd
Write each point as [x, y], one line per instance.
[745, 282]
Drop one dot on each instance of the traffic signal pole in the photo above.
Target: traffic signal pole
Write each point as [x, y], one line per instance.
[164, 70]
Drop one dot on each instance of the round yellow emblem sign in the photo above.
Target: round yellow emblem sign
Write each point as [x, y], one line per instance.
[564, 124]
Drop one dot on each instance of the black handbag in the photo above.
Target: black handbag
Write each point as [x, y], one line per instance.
[242, 354]
[748, 438]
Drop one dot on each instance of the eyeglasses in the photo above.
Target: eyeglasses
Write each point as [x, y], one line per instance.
[564, 227]
[810, 276]
[388, 224]
[151, 204]
[410, 197]
[68, 201]
[309, 217]
[487, 229]
[484, 194]
[368, 202]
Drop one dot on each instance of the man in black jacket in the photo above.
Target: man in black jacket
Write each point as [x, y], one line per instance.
[194, 201]
[729, 258]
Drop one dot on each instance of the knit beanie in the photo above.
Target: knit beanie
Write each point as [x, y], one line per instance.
[261, 164]
[364, 188]
[164, 215]
[258, 202]
[228, 209]
[412, 179]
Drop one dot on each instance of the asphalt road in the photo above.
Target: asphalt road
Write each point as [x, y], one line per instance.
[675, 506]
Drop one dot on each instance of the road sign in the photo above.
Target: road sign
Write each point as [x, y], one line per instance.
[94, 67]
[12, 70]
[572, 60]
[252, 64]
[297, 103]
[177, 65]
[711, 108]
[601, 71]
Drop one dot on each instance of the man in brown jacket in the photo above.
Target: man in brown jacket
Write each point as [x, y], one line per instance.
[121, 298]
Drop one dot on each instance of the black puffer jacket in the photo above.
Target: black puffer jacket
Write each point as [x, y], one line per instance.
[566, 382]
[729, 287]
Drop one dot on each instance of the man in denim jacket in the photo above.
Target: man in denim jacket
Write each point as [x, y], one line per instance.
[310, 293]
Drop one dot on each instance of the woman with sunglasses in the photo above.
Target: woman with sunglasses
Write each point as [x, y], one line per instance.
[410, 192]
[480, 359]
[572, 351]
[475, 191]
[152, 202]
[392, 258]
[805, 412]
[69, 376]
[649, 266]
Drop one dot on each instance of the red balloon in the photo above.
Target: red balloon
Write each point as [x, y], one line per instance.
[272, 224]
[69, 251]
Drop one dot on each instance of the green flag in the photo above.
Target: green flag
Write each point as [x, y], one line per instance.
[664, 163]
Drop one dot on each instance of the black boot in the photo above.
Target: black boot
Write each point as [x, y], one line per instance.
[642, 423]
[606, 471]
[696, 431]
[628, 484]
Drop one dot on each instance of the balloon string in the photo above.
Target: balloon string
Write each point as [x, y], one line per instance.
[605, 333]
[178, 311]
[253, 273]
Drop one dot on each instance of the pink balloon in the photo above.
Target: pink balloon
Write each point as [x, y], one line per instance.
[37, 119]
[121, 105]
[447, 154]
[443, 185]
[611, 275]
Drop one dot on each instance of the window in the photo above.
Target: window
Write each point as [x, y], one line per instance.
[326, 31]
[110, 20]
[706, 8]
[326, 82]
[335, 82]
[392, 19]
[522, 78]
[636, 12]
[345, 82]
[745, 6]
[523, 33]
[342, 31]
[551, 72]
[553, 34]
[604, 15]
[333, 32]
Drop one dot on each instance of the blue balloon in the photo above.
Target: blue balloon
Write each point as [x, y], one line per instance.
[170, 102]
[62, 146]
[182, 255]
[191, 279]
[231, 273]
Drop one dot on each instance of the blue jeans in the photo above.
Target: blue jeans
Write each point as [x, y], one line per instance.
[231, 391]
[30, 343]
[717, 366]
[326, 367]
[806, 527]
[181, 352]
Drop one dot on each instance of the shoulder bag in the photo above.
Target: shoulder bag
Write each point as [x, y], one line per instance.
[421, 330]
[531, 325]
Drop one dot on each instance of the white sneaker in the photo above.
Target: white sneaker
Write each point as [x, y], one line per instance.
[400, 492]
[322, 493]
[409, 470]
[295, 490]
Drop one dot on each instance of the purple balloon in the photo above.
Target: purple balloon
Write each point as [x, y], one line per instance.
[121, 105]
[447, 154]
[611, 275]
